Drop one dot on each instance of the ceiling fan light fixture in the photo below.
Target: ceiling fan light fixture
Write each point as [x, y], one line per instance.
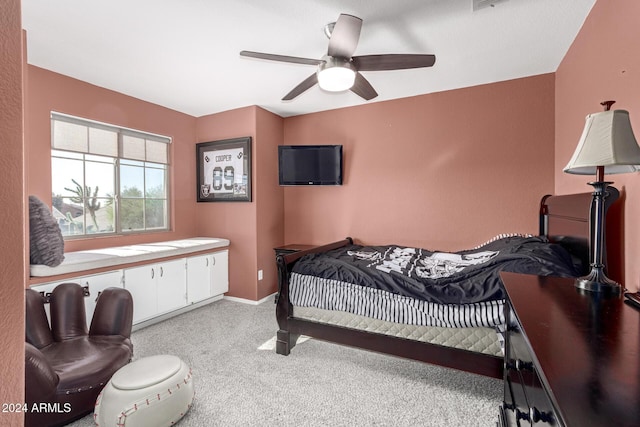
[339, 70]
[336, 75]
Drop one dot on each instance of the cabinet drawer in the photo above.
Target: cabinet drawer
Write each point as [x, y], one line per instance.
[540, 408]
[526, 402]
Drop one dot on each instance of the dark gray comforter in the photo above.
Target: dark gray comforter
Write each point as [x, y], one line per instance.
[462, 277]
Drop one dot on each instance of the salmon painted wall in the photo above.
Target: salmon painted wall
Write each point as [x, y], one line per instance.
[49, 91]
[13, 214]
[255, 228]
[269, 198]
[235, 221]
[444, 171]
[602, 64]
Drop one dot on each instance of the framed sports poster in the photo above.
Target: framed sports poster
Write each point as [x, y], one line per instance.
[224, 170]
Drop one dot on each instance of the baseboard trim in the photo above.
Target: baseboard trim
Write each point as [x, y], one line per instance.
[251, 302]
[174, 313]
[190, 307]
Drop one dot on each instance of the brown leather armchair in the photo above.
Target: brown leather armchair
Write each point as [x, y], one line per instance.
[67, 366]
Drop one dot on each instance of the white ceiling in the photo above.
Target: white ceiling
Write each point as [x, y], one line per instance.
[184, 54]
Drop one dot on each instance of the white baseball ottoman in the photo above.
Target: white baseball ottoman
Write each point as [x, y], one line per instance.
[154, 391]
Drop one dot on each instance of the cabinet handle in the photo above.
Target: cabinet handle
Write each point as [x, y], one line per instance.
[161, 272]
[213, 260]
[521, 365]
[207, 260]
[536, 416]
[153, 273]
[46, 296]
[508, 406]
[521, 415]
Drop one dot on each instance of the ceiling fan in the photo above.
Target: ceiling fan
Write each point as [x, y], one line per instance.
[339, 70]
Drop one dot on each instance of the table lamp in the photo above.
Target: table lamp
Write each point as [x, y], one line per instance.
[607, 145]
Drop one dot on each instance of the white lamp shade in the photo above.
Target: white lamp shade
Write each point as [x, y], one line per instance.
[607, 140]
[336, 74]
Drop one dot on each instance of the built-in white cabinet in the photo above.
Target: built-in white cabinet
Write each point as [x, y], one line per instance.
[220, 273]
[172, 285]
[199, 278]
[140, 282]
[156, 288]
[207, 276]
[93, 285]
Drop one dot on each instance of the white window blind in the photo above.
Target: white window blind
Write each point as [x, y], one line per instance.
[89, 137]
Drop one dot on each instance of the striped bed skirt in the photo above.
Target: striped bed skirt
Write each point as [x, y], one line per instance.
[326, 294]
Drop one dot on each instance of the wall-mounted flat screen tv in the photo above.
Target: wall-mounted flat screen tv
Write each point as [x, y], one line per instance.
[310, 164]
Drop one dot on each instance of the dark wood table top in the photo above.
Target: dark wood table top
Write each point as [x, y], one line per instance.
[586, 346]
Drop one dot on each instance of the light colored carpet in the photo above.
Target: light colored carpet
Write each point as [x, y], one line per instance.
[319, 384]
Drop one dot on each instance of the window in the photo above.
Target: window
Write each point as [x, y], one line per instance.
[106, 179]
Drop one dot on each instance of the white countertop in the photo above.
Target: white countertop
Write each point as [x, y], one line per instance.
[99, 258]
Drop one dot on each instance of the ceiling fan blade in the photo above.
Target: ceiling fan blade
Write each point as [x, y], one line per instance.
[392, 62]
[345, 36]
[281, 58]
[363, 88]
[303, 86]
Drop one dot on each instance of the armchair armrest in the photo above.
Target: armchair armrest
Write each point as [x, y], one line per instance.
[113, 314]
[40, 379]
[37, 328]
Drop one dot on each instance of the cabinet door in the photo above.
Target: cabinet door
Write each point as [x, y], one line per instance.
[141, 283]
[220, 273]
[199, 278]
[94, 284]
[172, 285]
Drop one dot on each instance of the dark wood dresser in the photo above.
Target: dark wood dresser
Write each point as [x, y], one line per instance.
[571, 358]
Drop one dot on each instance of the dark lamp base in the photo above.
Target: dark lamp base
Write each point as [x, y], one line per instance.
[597, 281]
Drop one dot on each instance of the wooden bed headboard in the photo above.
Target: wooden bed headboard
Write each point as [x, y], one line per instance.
[564, 219]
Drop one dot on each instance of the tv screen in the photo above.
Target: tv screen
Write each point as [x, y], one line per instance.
[310, 164]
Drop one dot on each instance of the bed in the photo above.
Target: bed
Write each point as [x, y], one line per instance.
[344, 307]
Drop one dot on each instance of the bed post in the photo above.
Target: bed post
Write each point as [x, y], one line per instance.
[543, 227]
[285, 340]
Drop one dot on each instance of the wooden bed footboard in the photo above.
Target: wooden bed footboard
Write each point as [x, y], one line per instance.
[286, 339]
[290, 328]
